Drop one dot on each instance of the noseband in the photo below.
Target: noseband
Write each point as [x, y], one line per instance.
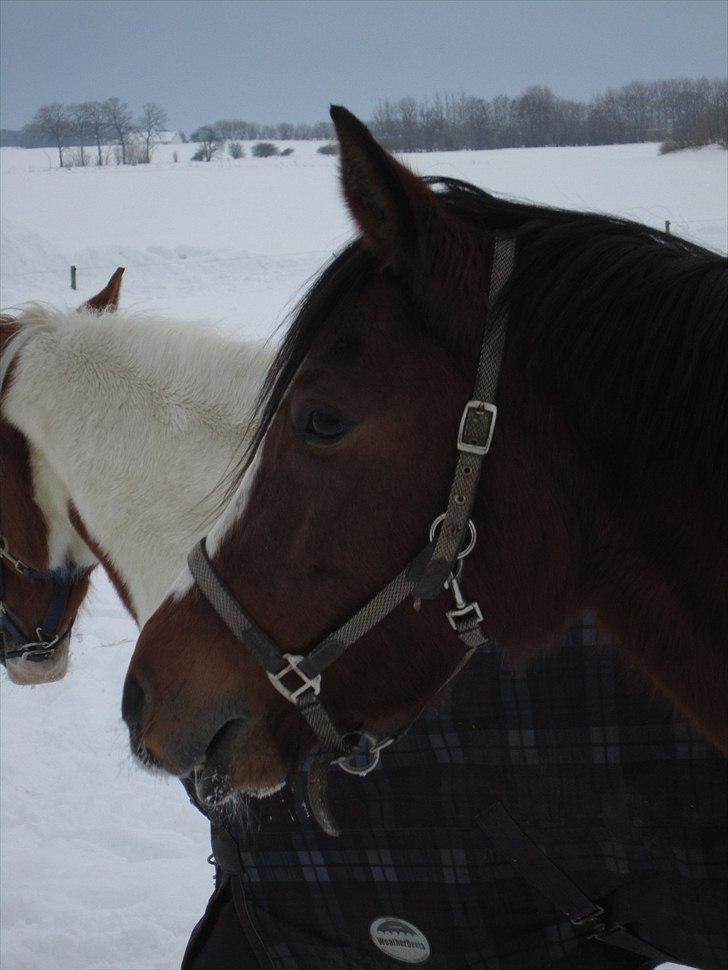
[48, 636]
[452, 536]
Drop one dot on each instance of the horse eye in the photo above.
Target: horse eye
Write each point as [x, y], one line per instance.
[325, 426]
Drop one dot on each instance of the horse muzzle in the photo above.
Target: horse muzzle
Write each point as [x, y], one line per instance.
[42, 663]
[172, 737]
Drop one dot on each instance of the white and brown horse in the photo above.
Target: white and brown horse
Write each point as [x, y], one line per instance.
[115, 435]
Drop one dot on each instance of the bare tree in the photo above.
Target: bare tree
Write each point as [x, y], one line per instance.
[230, 130]
[151, 124]
[118, 120]
[535, 111]
[54, 119]
[80, 115]
[717, 112]
[98, 126]
[210, 143]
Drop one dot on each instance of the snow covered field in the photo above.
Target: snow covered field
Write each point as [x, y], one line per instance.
[102, 866]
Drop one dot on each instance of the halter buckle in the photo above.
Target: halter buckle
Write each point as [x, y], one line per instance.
[293, 662]
[35, 651]
[478, 423]
[593, 922]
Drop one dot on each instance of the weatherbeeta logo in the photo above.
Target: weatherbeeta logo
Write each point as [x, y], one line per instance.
[399, 939]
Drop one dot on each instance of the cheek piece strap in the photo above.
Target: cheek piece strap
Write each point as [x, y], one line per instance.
[298, 677]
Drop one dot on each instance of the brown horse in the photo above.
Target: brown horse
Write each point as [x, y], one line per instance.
[40, 597]
[604, 488]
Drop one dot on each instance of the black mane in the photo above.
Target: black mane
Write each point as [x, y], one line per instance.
[635, 316]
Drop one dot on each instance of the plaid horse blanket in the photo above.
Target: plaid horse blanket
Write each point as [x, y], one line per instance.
[576, 753]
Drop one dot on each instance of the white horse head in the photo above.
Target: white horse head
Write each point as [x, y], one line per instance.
[115, 439]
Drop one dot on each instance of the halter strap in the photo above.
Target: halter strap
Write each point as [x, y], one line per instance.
[298, 677]
[48, 635]
[30, 572]
[477, 425]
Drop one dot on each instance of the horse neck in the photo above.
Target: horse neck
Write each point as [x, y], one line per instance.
[138, 422]
[642, 544]
[662, 589]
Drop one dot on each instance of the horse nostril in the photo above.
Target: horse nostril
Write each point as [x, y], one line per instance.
[132, 703]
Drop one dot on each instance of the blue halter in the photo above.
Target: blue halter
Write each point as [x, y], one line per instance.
[48, 635]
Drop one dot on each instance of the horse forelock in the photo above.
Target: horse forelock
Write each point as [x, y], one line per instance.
[346, 274]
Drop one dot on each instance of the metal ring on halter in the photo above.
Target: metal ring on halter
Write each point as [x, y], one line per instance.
[471, 543]
[369, 747]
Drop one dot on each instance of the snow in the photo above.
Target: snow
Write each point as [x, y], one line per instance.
[236, 240]
[102, 865]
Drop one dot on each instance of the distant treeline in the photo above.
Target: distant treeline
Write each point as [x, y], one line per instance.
[236, 129]
[679, 112]
[108, 126]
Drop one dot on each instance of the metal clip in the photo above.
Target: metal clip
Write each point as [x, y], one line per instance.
[463, 609]
[41, 649]
[35, 651]
[5, 553]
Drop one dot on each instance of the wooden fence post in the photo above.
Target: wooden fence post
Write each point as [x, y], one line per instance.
[73, 277]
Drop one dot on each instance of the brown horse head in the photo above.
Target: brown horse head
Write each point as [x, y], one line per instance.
[37, 587]
[582, 503]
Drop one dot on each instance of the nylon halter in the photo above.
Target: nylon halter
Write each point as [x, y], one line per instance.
[298, 677]
[48, 635]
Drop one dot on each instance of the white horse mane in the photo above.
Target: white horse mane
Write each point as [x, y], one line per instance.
[134, 343]
[135, 420]
[30, 322]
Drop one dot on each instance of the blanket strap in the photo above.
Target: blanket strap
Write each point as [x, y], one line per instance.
[545, 877]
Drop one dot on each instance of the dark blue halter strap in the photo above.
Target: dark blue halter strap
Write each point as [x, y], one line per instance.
[47, 634]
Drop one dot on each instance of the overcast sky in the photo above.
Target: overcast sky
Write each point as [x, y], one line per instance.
[286, 60]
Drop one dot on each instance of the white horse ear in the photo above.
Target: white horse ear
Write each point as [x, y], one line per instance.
[396, 212]
[108, 298]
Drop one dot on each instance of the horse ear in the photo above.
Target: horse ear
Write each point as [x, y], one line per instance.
[394, 209]
[108, 298]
